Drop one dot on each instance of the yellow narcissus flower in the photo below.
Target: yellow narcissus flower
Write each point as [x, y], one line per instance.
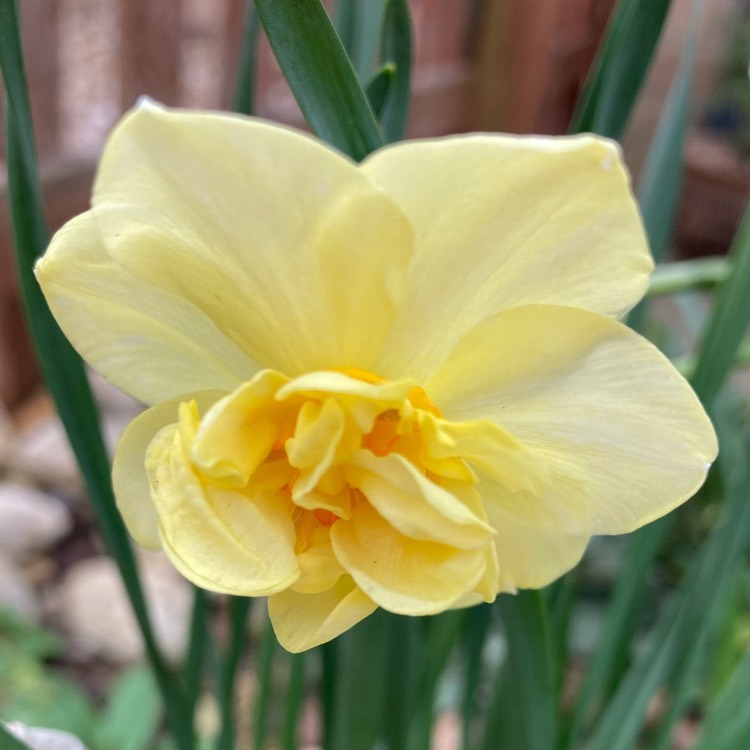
[399, 384]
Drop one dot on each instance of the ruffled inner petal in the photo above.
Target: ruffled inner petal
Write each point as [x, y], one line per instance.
[400, 574]
[303, 621]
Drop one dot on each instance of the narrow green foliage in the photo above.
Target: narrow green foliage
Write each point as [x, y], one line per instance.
[729, 321]
[443, 632]
[609, 658]
[401, 675]
[531, 673]
[239, 608]
[727, 723]
[295, 695]
[134, 694]
[244, 92]
[62, 367]
[620, 67]
[263, 695]
[474, 637]
[379, 86]
[683, 623]
[396, 48]
[196, 653]
[670, 278]
[661, 180]
[359, 696]
[320, 74]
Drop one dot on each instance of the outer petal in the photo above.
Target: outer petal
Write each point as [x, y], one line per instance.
[528, 557]
[129, 478]
[403, 575]
[621, 435]
[278, 239]
[152, 343]
[503, 221]
[302, 621]
[221, 540]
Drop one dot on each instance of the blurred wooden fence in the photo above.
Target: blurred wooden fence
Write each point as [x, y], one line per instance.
[514, 65]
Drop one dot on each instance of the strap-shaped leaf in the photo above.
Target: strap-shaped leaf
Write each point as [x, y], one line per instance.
[320, 75]
[396, 48]
[620, 67]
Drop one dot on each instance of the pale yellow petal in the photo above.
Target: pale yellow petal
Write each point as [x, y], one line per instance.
[403, 575]
[129, 478]
[151, 342]
[503, 221]
[277, 238]
[619, 432]
[527, 557]
[302, 621]
[222, 540]
[236, 435]
[414, 505]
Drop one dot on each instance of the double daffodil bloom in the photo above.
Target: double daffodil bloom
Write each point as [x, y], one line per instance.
[397, 384]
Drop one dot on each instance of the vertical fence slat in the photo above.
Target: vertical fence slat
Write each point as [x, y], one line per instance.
[39, 26]
[150, 34]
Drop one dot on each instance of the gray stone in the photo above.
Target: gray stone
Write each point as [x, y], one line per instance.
[97, 614]
[30, 520]
[42, 453]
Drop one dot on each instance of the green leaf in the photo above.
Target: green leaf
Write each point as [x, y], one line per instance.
[474, 637]
[396, 48]
[526, 696]
[133, 695]
[729, 320]
[442, 633]
[244, 91]
[295, 695]
[61, 366]
[239, 608]
[670, 278]
[401, 676]
[609, 658]
[683, 622]
[320, 75]
[196, 651]
[620, 67]
[661, 180]
[359, 23]
[378, 87]
[360, 680]
[263, 695]
[726, 725]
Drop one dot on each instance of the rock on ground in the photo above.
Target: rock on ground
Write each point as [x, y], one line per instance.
[30, 520]
[97, 614]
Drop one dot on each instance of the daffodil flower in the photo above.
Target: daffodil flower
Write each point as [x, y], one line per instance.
[397, 384]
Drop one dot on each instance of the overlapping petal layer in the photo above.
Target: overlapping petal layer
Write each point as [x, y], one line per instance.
[618, 432]
[502, 221]
[398, 384]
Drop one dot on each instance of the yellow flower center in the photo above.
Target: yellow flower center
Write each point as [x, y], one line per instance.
[324, 448]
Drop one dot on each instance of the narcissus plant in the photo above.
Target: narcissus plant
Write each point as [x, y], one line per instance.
[397, 384]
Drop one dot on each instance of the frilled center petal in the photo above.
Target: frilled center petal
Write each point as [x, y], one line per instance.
[315, 470]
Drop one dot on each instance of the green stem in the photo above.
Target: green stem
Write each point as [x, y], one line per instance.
[670, 278]
[244, 92]
[239, 608]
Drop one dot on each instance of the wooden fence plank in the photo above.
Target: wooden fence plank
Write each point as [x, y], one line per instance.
[150, 34]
